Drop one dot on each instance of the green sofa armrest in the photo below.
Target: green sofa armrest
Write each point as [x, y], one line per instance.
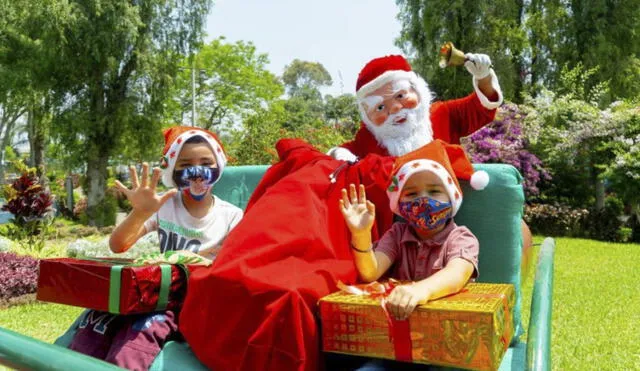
[24, 353]
[539, 333]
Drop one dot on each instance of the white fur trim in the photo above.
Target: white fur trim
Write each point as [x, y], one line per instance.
[479, 180]
[376, 83]
[408, 169]
[496, 85]
[174, 152]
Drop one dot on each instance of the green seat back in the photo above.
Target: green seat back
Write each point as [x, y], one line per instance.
[494, 216]
[238, 182]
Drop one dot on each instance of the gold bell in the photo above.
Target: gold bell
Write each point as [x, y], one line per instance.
[450, 56]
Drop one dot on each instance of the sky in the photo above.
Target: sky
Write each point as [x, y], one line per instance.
[343, 35]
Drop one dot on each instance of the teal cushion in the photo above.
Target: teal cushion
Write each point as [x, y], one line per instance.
[238, 182]
[494, 216]
[176, 356]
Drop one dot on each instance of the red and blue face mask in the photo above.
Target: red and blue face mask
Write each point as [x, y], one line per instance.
[196, 181]
[425, 213]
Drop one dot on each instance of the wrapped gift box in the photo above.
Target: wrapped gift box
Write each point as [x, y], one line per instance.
[112, 285]
[471, 329]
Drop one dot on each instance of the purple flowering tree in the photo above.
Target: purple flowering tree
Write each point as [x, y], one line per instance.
[503, 141]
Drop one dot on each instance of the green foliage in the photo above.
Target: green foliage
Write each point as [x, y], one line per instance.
[493, 28]
[529, 42]
[555, 220]
[304, 79]
[30, 203]
[231, 80]
[255, 143]
[623, 171]
[604, 225]
[571, 135]
[105, 211]
[342, 111]
[106, 68]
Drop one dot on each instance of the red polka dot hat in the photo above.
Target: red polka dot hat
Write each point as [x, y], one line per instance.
[174, 139]
[448, 162]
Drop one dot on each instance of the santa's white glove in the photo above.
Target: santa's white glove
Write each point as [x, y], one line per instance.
[343, 154]
[479, 65]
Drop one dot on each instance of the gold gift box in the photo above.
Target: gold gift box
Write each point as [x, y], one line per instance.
[471, 329]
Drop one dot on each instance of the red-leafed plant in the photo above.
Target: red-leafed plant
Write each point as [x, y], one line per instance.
[18, 275]
[31, 206]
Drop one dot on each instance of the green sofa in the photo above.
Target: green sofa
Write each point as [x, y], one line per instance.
[493, 214]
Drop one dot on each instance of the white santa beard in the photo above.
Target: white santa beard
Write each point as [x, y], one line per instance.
[414, 133]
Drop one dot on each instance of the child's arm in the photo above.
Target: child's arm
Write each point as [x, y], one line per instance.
[451, 279]
[359, 214]
[144, 201]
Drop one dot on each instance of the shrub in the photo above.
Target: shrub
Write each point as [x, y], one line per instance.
[624, 234]
[18, 275]
[31, 206]
[605, 225]
[80, 208]
[555, 220]
[503, 141]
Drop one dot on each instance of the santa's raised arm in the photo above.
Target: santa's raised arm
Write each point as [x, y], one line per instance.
[398, 115]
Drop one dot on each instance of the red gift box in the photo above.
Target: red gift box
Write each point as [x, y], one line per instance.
[112, 285]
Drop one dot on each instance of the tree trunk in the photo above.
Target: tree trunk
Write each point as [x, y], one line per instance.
[96, 184]
[599, 194]
[37, 130]
[518, 59]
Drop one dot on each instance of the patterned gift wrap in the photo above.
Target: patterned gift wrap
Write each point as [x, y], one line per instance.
[471, 329]
[117, 286]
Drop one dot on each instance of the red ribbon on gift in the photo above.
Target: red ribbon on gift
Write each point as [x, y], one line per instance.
[399, 330]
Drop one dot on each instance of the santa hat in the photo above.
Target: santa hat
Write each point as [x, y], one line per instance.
[380, 71]
[174, 139]
[448, 162]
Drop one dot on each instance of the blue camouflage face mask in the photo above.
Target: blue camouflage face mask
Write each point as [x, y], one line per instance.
[196, 181]
[425, 213]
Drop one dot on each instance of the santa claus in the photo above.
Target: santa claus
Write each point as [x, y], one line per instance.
[397, 114]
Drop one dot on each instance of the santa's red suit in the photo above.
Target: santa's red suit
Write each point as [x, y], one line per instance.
[449, 120]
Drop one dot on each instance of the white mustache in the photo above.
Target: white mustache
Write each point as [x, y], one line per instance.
[394, 119]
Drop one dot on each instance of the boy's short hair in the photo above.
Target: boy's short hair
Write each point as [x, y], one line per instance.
[196, 139]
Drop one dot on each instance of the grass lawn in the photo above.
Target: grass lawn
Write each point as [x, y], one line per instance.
[596, 308]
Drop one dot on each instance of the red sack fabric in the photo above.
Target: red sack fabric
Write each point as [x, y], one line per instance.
[85, 283]
[255, 308]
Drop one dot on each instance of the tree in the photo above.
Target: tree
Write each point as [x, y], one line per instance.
[305, 105]
[569, 132]
[492, 27]
[11, 109]
[342, 112]
[624, 170]
[232, 80]
[109, 65]
[304, 79]
[528, 41]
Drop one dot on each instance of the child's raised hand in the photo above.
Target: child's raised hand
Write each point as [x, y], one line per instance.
[358, 212]
[142, 195]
